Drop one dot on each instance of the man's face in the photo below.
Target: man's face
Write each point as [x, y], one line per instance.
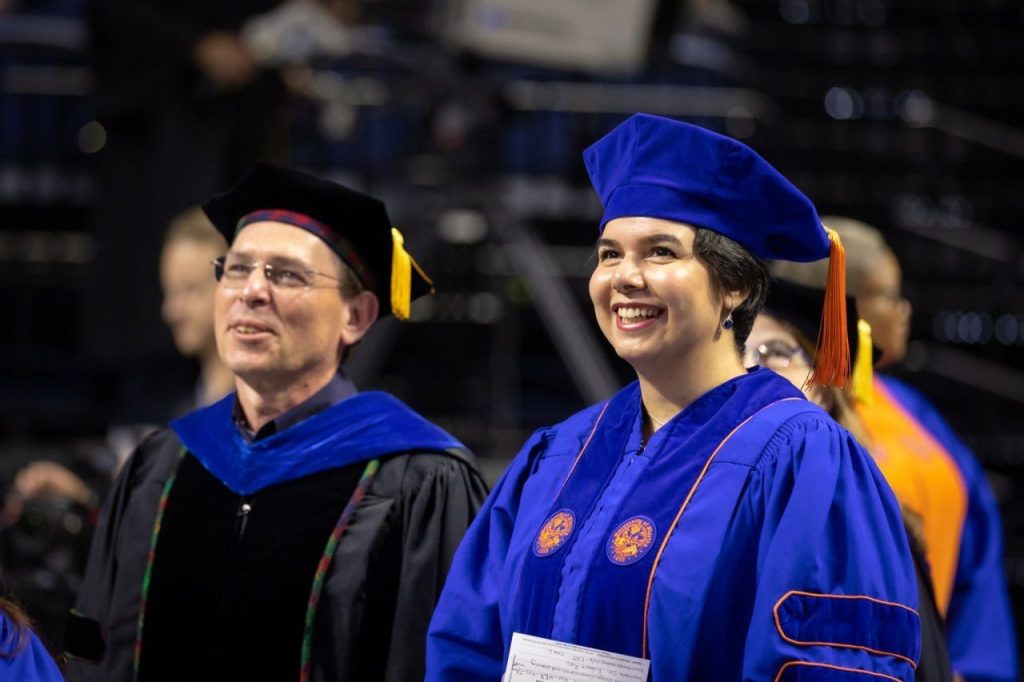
[188, 286]
[275, 336]
[881, 304]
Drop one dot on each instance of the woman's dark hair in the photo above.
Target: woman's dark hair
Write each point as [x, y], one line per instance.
[734, 268]
[16, 634]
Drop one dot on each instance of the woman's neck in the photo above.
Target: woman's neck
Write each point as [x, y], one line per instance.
[665, 391]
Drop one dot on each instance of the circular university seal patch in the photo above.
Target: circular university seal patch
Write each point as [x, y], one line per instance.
[631, 541]
[555, 531]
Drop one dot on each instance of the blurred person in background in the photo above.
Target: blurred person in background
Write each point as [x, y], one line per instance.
[51, 506]
[186, 108]
[190, 246]
[297, 528]
[938, 480]
[682, 519]
[191, 243]
[782, 340]
[22, 656]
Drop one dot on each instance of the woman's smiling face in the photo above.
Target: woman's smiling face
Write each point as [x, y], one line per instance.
[652, 295]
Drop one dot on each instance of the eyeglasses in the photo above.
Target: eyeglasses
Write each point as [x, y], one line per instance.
[234, 274]
[777, 354]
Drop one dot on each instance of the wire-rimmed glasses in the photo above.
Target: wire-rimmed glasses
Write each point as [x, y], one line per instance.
[234, 273]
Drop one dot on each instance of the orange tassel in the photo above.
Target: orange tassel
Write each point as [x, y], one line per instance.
[832, 367]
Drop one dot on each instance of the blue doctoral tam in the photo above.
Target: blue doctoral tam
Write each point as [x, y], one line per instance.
[655, 167]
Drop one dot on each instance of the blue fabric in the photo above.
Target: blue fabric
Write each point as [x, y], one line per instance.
[360, 428]
[31, 664]
[979, 622]
[791, 502]
[855, 622]
[816, 673]
[660, 168]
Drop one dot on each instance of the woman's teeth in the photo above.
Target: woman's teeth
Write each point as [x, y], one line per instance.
[637, 313]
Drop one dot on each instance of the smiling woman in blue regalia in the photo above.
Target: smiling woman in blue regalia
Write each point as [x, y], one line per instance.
[707, 518]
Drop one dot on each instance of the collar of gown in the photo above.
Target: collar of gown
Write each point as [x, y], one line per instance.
[360, 428]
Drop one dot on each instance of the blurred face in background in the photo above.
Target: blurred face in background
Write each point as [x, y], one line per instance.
[881, 304]
[775, 345]
[188, 286]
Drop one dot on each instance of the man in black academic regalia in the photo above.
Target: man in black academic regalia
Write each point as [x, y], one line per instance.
[297, 529]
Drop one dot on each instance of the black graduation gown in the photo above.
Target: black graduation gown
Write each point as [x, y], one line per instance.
[227, 601]
[934, 664]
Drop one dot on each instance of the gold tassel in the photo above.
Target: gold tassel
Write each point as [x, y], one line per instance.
[832, 365]
[863, 374]
[401, 276]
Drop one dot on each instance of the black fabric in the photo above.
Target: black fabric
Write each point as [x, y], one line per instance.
[934, 664]
[84, 638]
[377, 600]
[244, 571]
[395, 563]
[360, 220]
[117, 559]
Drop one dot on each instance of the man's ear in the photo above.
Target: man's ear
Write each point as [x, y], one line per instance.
[361, 311]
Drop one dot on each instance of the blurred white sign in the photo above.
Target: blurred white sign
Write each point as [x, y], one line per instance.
[592, 35]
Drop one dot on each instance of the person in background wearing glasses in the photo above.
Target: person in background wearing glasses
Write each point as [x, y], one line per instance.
[705, 519]
[781, 340]
[298, 528]
[937, 479]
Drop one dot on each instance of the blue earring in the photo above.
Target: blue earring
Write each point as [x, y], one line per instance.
[727, 323]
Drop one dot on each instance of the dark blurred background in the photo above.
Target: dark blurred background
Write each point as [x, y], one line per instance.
[468, 117]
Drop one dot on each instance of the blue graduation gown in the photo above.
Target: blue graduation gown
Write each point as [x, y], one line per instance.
[979, 621]
[770, 551]
[31, 664]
